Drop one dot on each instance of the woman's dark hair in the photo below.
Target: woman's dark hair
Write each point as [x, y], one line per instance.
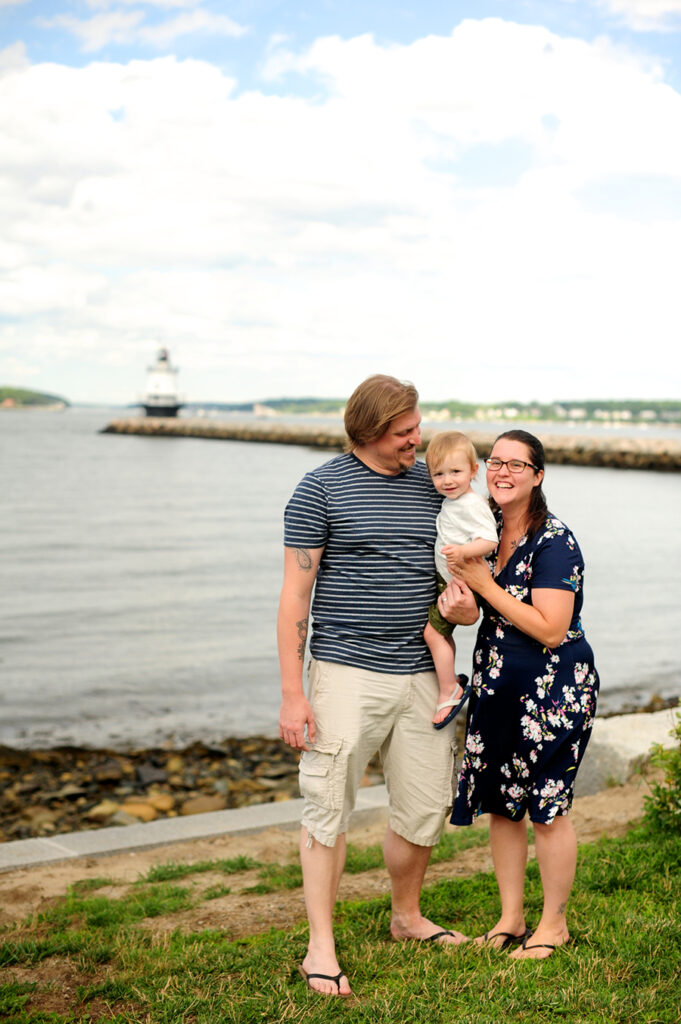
[538, 509]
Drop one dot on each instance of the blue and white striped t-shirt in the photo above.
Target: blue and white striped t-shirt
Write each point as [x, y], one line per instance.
[377, 573]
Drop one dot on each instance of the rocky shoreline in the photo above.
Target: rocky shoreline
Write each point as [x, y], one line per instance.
[70, 789]
[64, 789]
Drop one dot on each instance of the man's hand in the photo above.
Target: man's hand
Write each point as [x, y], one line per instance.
[295, 714]
[457, 604]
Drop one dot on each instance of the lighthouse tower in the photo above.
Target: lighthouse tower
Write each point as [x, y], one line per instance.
[161, 397]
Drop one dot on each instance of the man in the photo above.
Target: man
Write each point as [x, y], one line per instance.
[362, 528]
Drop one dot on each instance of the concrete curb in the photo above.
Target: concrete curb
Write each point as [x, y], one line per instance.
[618, 747]
[372, 805]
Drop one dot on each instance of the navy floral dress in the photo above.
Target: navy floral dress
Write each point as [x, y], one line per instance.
[531, 710]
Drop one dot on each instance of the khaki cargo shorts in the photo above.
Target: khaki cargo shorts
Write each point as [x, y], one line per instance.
[357, 713]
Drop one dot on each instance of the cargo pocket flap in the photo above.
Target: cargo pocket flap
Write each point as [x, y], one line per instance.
[320, 781]
[319, 758]
[331, 745]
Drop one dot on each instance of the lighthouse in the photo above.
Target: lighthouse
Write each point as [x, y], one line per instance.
[161, 397]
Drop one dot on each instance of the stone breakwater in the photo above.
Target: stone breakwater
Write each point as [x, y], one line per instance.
[615, 452]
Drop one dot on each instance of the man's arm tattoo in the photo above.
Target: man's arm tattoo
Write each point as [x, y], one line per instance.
[303, 559]
[302, 637]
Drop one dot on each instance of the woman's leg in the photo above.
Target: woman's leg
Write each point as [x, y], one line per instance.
[556, 847]
[508, 840]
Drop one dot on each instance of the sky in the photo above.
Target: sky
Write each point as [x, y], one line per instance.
[481, 197]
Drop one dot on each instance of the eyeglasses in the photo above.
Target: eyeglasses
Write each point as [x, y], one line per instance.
[514, 465]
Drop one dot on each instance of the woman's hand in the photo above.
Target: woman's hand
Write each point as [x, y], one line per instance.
[474, 572]
[547, 618]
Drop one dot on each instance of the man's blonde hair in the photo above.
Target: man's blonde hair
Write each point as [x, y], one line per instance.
[373, 405]
[444, 444]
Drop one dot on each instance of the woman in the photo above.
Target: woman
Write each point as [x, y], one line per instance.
[534, 696]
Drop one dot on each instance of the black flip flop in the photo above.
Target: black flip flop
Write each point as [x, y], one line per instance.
[325, 977]
[463, 682]
[509, 938]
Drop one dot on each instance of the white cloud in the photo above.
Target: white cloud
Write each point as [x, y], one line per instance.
[13, 58]
[12, 3]
[165, 33]
[17, 370]
[94, 33]
[164, 4]
[646, 15]
[120, 27]
[280, 244]
[48, 288]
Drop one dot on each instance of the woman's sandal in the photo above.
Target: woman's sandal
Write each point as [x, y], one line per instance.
[509, 938]
[543, 945]
[325, 977]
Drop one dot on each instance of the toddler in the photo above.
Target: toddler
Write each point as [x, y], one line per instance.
[467, 526]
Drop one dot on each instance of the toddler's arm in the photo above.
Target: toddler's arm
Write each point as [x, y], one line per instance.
[477, 548]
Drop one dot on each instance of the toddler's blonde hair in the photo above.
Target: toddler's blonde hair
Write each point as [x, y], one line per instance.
[446, 442]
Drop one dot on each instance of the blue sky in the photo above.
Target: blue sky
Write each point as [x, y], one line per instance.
[484, 198]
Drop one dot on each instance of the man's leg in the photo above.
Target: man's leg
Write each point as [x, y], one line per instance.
[406, 864]
[418, 762]
[354, 709]
[322, 870]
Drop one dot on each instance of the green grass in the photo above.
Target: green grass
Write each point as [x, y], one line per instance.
[623, 966]
[277, 876]
[170, 871]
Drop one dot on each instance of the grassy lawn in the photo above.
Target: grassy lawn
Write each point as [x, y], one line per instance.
[91, 957]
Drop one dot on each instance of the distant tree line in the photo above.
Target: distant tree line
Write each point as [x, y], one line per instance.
[23, 396]
[629, 409]
[637, 410]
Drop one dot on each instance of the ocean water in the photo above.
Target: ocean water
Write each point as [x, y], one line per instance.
[140, 580]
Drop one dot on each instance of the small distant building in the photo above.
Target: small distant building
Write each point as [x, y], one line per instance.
[161, 397]
[437, 415]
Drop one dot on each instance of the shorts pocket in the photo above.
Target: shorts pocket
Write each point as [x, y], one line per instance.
[319, 775]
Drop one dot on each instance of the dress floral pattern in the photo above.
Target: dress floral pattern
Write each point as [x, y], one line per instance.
[532, 709]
